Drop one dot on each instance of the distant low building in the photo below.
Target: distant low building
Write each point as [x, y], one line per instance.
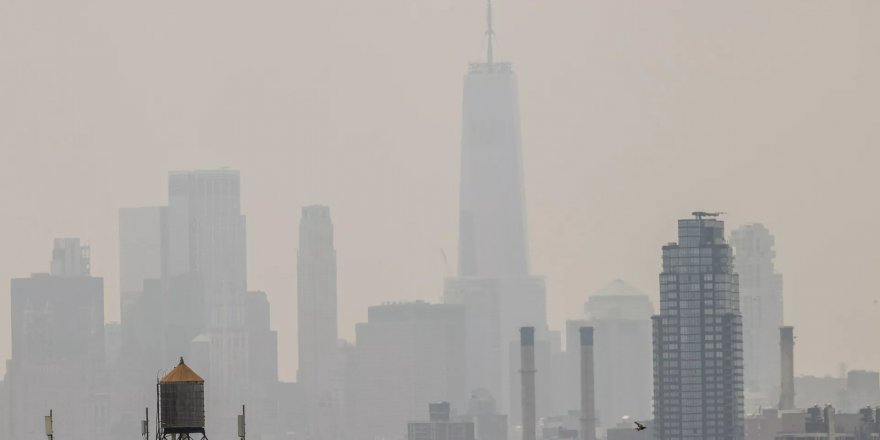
[561, 427]
[763, 426]
[440, 426]
[862, 389]
[482, 410]
[857, 390]
[626, 430]
[811, 390]
[825, 423]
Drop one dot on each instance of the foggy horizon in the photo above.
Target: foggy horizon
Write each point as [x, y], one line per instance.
[633, 115]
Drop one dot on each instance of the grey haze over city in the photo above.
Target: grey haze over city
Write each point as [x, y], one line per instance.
[327, 144]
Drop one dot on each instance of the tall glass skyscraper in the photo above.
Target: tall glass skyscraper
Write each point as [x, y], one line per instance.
[698, 364]
[494, 282]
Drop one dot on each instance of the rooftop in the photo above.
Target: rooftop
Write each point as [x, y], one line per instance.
[182, 373]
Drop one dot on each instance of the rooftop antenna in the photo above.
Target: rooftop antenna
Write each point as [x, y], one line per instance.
[490, 58]
[50, 429]
[701, 214]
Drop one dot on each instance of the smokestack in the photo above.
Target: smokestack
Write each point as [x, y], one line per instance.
[786, 391]
[527, 372]
[588, 396]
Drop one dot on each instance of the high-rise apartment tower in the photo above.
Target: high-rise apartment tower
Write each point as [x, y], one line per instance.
[761, 304]
[698, 382]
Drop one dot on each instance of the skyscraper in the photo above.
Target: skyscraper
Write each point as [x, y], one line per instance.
[761, 303]
[492, 218]
[206, 247]
[58, 348]
[317, 326]
[493, 270]
[698, 382]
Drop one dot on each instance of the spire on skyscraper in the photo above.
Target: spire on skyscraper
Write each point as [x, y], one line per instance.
[489, 32]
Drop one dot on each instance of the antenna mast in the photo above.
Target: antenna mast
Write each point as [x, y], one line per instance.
[489, 33]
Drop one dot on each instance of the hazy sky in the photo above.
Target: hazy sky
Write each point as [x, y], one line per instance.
[635, 113]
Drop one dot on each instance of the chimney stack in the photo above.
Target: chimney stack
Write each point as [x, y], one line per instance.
[588, 396]
[786, 391]
[527, 372]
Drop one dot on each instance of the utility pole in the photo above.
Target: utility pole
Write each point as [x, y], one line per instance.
[145, 424]
[50, 432]
[241, 424]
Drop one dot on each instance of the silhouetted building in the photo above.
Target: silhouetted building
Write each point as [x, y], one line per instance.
[561, 427]
[440, 426]
[625, 429]
[183, 281]
[812, 390]
[263, 352]
[862, 389]
[620, 315]
[317, 327]
[482, 410]
[826, 423]
[493, 282]
[291, 410]
[207, 243]
[58, 349]
[764, 425]
[141, 245]
[698, 384]
[761, 305]
[406, 356]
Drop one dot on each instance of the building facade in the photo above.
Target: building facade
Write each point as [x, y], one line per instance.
[317, 321]
[761, 306]
[406, 356]
[440, 426]
[621, 317]
[140, 251]
[697, 337]
[58, 358]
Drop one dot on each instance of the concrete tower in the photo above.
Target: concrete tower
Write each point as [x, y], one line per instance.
[761, 304]
[317, 327]
[698, 383]
[493, 272]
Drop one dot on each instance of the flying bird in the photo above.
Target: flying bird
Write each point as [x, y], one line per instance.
[639, 426]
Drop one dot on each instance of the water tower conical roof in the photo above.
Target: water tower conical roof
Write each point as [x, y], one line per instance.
[182, 373]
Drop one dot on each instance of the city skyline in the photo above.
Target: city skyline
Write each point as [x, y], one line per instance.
[567, 226]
